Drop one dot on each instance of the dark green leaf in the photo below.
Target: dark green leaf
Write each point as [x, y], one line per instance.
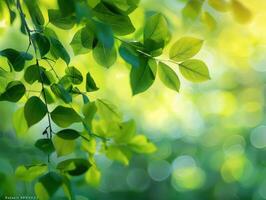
[143, 76]
[74, 167]
[14, 92]
[156, 34]
[42, 43]
[35, 12]
[168, 77]
[63, 22]
[32, 74]
[194, 70]
[104, 56]
[64, 116]
[45, 145]
[48, 184]
[61, 92]
[121, 24]
[34, 110]
[90, 84]
[74, 75]
[67, 7]
[16, 59]
[68, 134]
[129, 52]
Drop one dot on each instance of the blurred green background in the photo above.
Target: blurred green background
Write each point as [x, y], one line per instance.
[211, 137]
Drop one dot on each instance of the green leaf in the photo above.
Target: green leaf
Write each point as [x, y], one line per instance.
[117, 154]
[192, 10]
[34, 110]
[156, 34]
[93, 176]
[62, 146]
[47, 185]
[42, 43]
[241, 13]
[74, 75]
[74, 167]
[82, 41]
[194, 70]
[67, 7]
[90, 83]
[140, 144]
[61, 92]
[104, 56]
[220, 5]
[127, 131]
[68, 134]
[143, 76]
[29, 173]
[129, 52]
[185, 48]
[64, 116]
[63, 22]
[16, 59]
[121, 6]
[48, 96]
[168, 77]
[107, 111]
[58, 50]
[45, 145]
[14, 91]
[89, 110]
[35, 12]
[22, 126]
[121, 24]
[32, 74]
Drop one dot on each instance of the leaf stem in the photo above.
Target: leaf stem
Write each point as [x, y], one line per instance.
[25, 24]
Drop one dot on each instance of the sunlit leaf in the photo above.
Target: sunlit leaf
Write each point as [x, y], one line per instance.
[74, 167]
[168, 77]
[29, 173]
[185, 48]
[93, 176]
[194, 70]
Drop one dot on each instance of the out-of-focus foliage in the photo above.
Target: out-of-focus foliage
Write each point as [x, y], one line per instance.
[210, 138]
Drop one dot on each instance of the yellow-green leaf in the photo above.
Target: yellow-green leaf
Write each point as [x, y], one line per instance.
[185, 48]
[194, 70]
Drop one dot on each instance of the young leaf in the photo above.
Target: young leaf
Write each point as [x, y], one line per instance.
[45, 145]
[117, 154]
[143, 76]
[140, 144]
[42, 43]
[192, 9]
[63, 147]
[16, 59]
[34, 110]
[104, 56]
[168, 77]
[90, 83]
[22, 126]
[93, 176]
[64, 116]
[194, 70]
[241, 13]
[127, 131]
[74, 167]
[220, 5]
[14, 91]
[68, 134]
[29, 173]
[185, 48]
[74, 75]
[107, 111]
